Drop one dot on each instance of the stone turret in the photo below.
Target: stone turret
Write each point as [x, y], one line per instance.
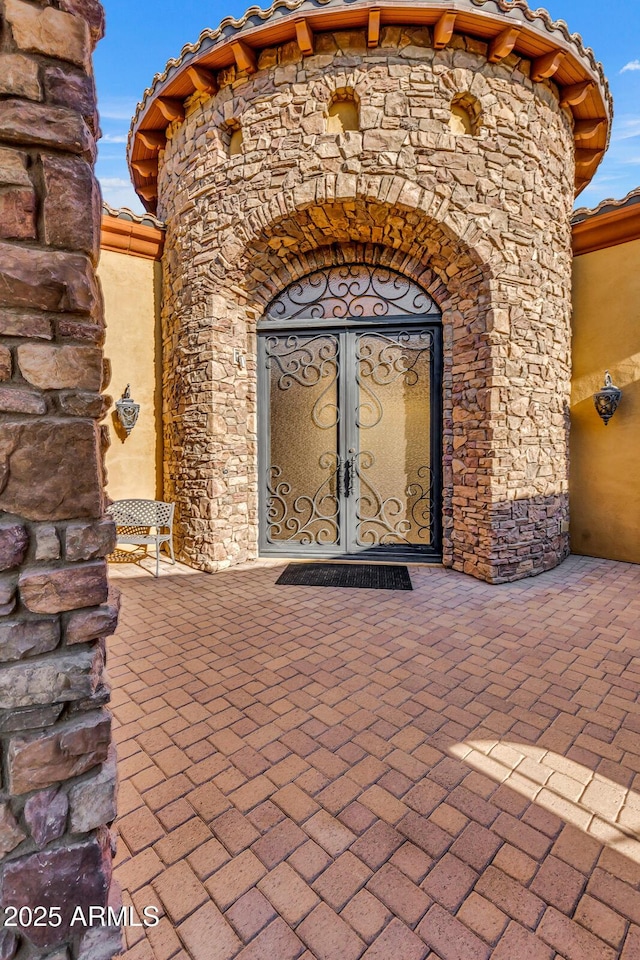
[444, 141]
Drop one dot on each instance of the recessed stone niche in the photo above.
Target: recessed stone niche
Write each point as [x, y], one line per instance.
[456, 168]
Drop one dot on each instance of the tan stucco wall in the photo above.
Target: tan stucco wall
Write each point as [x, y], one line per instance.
[131, 287]
[605, 461]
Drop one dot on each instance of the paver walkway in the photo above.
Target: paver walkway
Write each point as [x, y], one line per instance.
[332, 774]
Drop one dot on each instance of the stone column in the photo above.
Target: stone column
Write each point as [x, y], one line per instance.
[58, 768]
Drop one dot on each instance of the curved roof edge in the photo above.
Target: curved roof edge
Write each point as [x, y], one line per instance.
[229, 26]
[606, 206]
[123, 231]
[610, 223]
[238, 42]
[124, 213]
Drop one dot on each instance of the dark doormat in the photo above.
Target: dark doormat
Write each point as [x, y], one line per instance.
[370, 576]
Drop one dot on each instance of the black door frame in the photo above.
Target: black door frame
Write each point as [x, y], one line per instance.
[431, 323]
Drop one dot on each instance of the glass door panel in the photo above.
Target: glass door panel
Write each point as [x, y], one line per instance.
[303, 497]
[350, 440]
[391, 469]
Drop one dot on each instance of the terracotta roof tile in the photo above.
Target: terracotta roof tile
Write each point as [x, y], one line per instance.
[124, 213]
[517, 9]
[607, 206]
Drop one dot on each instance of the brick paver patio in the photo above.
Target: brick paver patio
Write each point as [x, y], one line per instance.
[451, 773]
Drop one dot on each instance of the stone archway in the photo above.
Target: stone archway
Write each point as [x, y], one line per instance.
[296, 243]
[428, 251]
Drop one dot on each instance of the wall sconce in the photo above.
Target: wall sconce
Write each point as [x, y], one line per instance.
[127, 410]
[239, 359]
[607, 399]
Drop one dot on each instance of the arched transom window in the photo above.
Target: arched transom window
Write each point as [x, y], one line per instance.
[351, 292]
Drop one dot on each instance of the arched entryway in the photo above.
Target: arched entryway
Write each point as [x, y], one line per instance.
[350, 417]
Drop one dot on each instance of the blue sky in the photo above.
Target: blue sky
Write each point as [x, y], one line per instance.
[142, 35]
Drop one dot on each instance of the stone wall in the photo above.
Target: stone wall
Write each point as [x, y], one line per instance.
[481, 220]
[58, 766]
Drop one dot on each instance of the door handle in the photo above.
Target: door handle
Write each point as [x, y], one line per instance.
[348, 477]
[344, 477]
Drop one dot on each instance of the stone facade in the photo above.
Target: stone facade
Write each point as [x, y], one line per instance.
[481, 219]
[58, 788]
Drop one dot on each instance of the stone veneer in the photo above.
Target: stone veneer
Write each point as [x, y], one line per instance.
[58, 767]
[482, 221]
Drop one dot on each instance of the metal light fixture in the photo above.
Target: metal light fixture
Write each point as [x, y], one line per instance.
[607, 399]
[127, 410]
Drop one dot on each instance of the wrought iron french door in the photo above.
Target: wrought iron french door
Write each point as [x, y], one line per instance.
[350, 440]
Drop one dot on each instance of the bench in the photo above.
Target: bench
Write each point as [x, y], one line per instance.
[136, 519]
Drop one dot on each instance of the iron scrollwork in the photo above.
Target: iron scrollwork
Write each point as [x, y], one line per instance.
[390, 520]
[353, 290]
[307, 361]
[420, 493]
[306, 519]
[383, 360]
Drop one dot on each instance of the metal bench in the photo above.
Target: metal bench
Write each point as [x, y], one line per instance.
[136, 519]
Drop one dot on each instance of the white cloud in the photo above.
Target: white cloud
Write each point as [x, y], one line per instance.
[114, 138]
[632, 65]
[599, 188]
[118, 192]
[114, 183]
[117, 108]
[625, 128]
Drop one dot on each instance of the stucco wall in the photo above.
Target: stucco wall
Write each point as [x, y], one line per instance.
[605, 461]
[131, 288]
